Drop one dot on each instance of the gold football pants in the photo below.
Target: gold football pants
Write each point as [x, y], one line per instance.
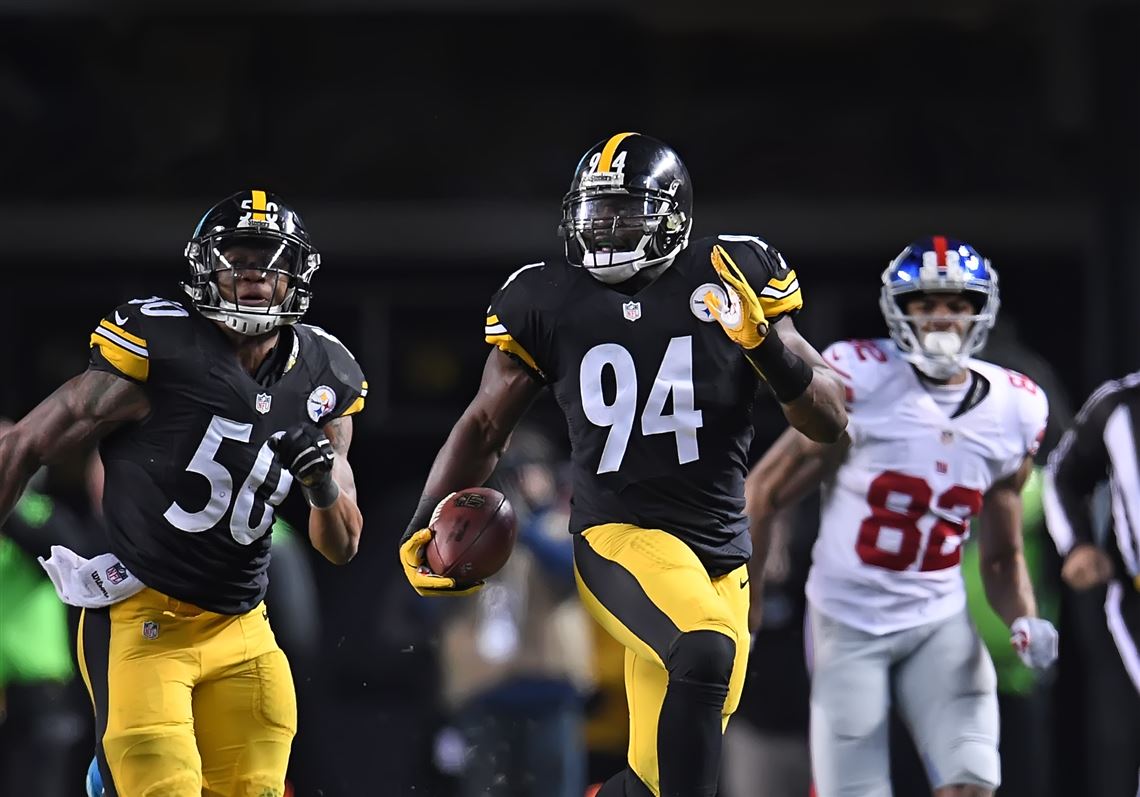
[646, 588]
[188, 703]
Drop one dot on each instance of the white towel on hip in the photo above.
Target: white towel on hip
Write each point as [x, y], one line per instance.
[89, 583]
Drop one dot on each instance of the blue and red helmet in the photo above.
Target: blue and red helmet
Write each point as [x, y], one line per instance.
[939, 265]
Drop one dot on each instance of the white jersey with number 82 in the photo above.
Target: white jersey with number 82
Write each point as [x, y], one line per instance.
[897, 511]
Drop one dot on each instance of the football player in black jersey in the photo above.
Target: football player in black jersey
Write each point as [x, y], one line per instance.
[655, 348]
[206, 412]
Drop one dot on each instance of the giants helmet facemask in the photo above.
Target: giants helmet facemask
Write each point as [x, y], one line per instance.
[939, 265]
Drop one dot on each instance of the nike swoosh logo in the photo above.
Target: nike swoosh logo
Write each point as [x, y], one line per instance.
[120, 319]
[744, 582]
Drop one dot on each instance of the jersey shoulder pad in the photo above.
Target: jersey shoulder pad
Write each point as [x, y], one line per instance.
[129, 338]
[516, 317]
[774, 281]
[863, 366]
[349, 387]
[1026, 405]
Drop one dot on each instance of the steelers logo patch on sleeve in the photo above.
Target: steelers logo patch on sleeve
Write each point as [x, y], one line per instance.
[321, 402]
[697, 300]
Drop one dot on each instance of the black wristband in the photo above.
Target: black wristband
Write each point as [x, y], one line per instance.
[422, 516]
[784, 370]
[323, 495]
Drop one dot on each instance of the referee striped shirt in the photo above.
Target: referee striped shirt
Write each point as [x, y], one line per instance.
[1103, 444]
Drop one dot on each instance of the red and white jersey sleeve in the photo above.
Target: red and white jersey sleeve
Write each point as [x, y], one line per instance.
[895, 514]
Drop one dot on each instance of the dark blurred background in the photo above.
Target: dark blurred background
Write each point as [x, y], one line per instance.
[427, 144]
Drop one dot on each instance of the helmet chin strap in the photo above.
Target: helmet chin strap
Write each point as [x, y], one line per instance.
[251, 324]
[247, 322]
[620, 272]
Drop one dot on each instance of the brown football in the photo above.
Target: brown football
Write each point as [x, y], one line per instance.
[473, 534]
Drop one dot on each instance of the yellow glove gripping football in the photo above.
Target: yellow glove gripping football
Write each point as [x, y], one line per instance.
[743, 319]
[423, 581]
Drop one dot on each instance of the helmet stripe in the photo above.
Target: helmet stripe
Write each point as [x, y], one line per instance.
[609, 149]
[940, 252]
[258, 205]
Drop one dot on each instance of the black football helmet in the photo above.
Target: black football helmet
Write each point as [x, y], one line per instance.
[630, 206]
[251, 230]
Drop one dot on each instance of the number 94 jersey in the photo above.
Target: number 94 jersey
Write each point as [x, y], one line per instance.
[657, 399]
[896, 512]
[189, 493]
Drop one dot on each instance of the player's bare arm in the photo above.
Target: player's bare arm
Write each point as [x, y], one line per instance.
[471, 451]
[70, 420]
[481, 434]
[335, 530]
[1004, 575]
[810, 393]
[790, 470]
[819, 411]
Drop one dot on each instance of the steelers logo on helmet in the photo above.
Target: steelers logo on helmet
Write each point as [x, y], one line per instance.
[939, 265]
[321, 402]
[629, 207]
[251, 263]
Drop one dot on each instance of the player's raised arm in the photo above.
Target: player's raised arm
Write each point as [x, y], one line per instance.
[809, 393]
[74, 417]
[318, 460]
[818, 411]
[469, 455]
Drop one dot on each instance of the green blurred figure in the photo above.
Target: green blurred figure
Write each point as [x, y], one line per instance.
[39, 726]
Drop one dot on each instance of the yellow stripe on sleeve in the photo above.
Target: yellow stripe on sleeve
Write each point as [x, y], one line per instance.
[775, 307]
[126, 362]
[135, 339]
[511, 346]
[492, 320]
[354, 407]
[780, 284]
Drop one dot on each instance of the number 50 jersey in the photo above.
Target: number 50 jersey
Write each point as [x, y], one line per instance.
[657, 399]
[189, 492]
[896, 512]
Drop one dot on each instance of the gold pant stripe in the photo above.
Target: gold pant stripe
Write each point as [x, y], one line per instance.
[189, 702]
[646, 587]
[609, 588]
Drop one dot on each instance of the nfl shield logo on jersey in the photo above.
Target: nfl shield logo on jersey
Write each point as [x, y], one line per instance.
[263, 403]
[631, 311]
[150, 629]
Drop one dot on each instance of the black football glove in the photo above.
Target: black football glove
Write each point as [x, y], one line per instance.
[308, 455]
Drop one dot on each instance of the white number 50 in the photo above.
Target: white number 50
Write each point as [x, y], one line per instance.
[247, 523]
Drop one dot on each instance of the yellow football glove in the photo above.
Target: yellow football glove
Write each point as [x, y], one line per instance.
[743, 319]
[423, 581]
